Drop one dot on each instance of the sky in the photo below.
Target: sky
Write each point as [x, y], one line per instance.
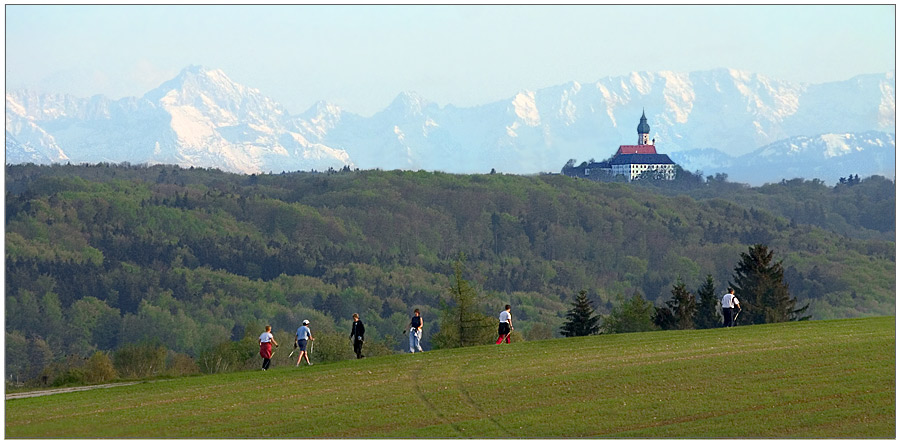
[361, 57]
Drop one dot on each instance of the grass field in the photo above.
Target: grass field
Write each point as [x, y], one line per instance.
[807, 379]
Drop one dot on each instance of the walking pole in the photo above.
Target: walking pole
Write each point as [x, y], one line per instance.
[507, 336]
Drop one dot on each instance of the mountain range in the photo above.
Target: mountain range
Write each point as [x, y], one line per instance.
[753, 128]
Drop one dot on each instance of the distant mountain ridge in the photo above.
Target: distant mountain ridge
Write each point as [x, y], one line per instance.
[826, 157]
[203, 118]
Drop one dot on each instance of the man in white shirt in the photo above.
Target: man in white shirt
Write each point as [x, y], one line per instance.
[505, 327]
[729, 303]
[304, 334]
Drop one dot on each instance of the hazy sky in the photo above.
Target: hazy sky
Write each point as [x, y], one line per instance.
[361, 57]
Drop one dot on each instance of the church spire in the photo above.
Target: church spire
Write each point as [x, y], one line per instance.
[643, 130]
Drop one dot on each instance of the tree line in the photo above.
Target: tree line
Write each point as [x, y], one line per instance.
[104, 257]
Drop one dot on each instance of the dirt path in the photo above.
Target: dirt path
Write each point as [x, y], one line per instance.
[65, 390]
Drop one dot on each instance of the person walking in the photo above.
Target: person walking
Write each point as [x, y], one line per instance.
[265, 347]
[505, 328]
[415, 331]
[357, 335]
[304, 334]
[729, 302]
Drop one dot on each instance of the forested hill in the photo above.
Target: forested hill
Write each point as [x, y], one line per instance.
[101, 256]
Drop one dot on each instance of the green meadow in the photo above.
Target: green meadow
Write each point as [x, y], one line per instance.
[819, 379]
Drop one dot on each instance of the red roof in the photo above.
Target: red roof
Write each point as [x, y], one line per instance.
[636, 149]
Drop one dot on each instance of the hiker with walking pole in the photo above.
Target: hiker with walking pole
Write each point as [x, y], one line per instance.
[303, 335]
[415, 331]
[505, 328]
[357, 335]
[265, 347]
[729, 302]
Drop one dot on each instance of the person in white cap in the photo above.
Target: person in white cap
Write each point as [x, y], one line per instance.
[303, 335]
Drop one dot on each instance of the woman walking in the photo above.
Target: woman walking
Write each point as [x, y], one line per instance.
[265, 347]
[505, 328]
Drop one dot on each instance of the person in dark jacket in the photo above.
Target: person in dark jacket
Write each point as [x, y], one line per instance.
[415, 331]
[357, 335]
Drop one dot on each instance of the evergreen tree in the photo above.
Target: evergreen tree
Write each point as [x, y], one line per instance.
[708, 314]
[760, 287]
[679, 311]
[664, 318]
[581, 318]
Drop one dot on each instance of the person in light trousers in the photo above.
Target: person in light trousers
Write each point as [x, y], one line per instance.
[415, 332]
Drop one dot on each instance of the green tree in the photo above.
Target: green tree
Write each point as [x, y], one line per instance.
[99, 368]
[40, 357]
[140, 360]
[93, 324]
[581, 318]
[17, 362]
[631, 315]
[461, 324]
[760, 287]
[707, 314]
[679, 311]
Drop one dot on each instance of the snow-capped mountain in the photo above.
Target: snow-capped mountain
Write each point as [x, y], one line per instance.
[39, 146]
[200, 118]
[827, 157]
[203, 118]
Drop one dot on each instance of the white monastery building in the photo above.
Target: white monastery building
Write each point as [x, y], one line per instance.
[630, 161]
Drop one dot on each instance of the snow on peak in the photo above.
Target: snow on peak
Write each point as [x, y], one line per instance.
[409, 103]
[568, 111]
[321, 118]
[526, 108]
[14, 106]
[836, 145]
[678, 95]
[641, 84]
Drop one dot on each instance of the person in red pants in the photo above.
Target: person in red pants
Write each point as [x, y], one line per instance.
[265, 347]
[505, 328]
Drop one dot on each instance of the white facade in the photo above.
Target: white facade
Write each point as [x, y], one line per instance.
[633, 171]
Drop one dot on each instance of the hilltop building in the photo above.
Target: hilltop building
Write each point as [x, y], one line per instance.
[630, 161]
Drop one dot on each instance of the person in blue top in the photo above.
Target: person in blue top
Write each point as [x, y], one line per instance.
[303, 335]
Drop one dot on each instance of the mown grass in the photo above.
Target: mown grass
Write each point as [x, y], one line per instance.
[808, 379]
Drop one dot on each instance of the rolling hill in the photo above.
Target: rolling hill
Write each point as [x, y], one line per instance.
[817, 379]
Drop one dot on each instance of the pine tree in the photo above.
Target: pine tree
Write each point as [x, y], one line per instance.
[581, 318]
[759, 286]
[684, 306]
[708, 314]
[679, 311]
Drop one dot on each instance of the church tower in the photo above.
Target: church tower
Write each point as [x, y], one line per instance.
[643, 130]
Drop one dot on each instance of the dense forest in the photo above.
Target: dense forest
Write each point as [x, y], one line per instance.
[102, 257]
